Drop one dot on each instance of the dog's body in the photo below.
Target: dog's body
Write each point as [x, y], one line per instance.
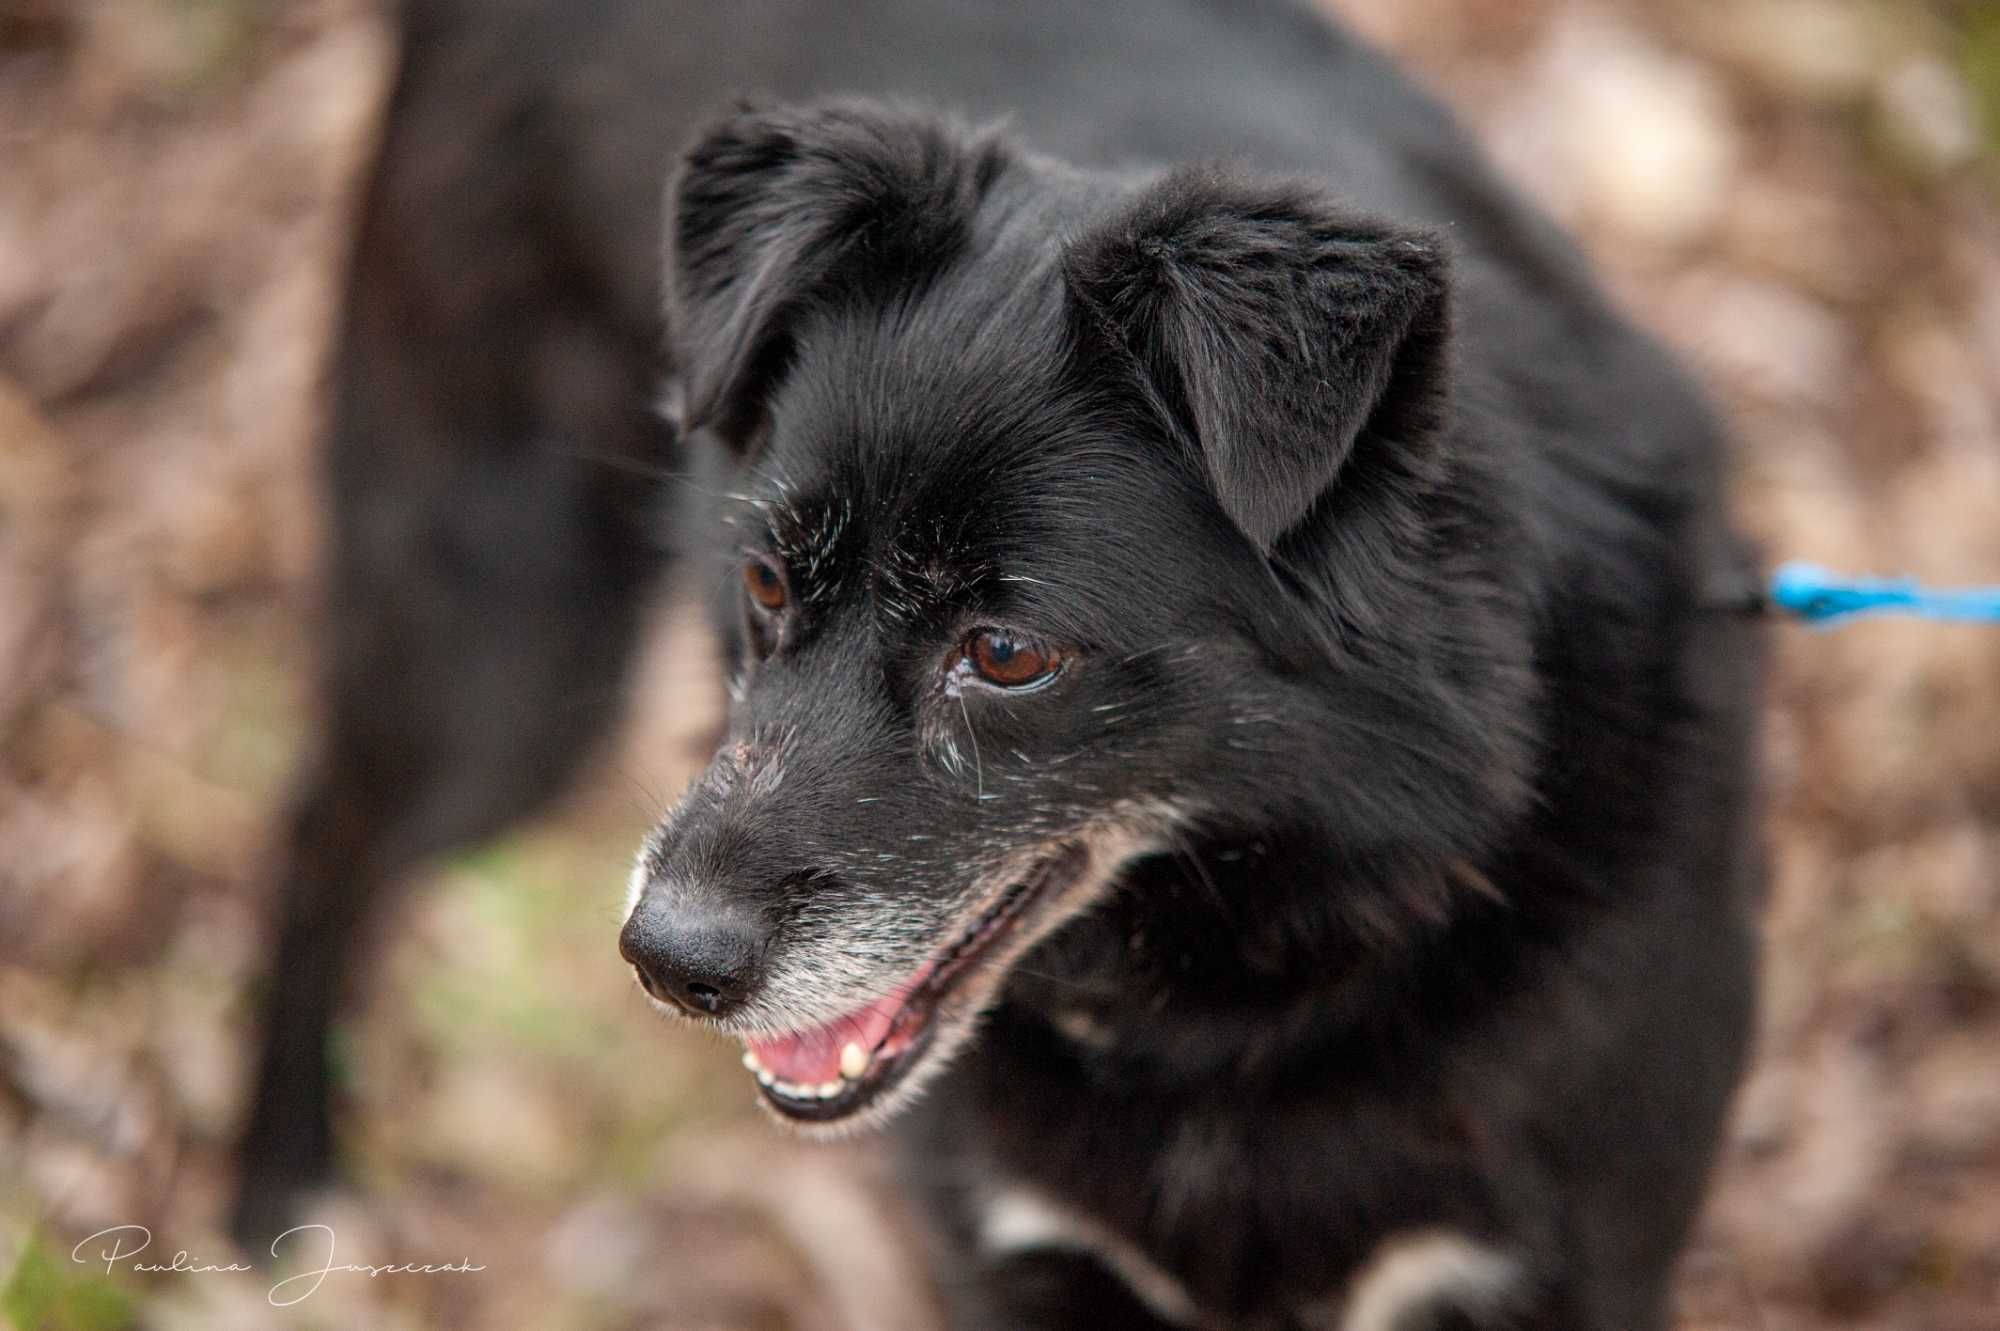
[1231, 671]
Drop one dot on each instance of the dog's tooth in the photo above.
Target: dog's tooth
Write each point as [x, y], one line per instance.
[853, 1061]
[829, 1089]
[750, 1060]
[764, 1078]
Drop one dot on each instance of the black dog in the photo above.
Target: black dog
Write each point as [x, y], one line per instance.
[1226, 701]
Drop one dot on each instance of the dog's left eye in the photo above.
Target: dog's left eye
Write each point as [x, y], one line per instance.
[766, 585]
[1010, 660]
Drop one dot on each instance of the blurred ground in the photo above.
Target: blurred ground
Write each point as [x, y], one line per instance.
[1802, 195]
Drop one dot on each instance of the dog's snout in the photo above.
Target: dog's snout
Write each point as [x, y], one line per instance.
[704, 961]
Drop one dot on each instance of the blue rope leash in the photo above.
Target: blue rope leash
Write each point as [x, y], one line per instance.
[1816, 596]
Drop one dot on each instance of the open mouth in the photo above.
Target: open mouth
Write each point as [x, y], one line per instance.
[830, 1071]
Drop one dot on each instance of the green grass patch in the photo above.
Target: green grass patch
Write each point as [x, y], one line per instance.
[1981, 62]
[548, 904]
[46, 1293]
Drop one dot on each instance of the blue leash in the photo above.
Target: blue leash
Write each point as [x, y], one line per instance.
[1814, 595]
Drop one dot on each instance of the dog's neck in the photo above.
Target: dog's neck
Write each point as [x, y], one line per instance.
[1241, 957]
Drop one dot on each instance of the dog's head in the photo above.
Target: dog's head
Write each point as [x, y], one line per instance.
[1076, 519]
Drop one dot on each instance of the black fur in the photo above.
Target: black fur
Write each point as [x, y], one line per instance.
[1237, 301]
[1373, 543]
[1448, 929]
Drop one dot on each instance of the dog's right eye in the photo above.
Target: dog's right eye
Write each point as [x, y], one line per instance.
[1009, 660]
[765, 582]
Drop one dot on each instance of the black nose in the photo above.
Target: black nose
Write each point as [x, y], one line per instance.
[702, 960]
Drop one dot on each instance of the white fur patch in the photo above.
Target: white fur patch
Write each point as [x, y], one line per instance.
[642, 873]
[1079, 1027]
[1430, 1269]
[1018, 1220]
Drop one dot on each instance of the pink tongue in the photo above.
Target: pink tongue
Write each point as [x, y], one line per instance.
[812, 1057]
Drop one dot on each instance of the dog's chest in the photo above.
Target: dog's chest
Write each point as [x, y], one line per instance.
[1408, 1274]
[1215, 1211]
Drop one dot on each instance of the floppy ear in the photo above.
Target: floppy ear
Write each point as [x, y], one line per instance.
[1275, 332]
[772, 208]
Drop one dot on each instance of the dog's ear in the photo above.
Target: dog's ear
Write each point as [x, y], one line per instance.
[774, 208]
[1275, 332]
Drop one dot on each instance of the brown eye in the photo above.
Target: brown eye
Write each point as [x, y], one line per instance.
[765, 584]
[1009, 660]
